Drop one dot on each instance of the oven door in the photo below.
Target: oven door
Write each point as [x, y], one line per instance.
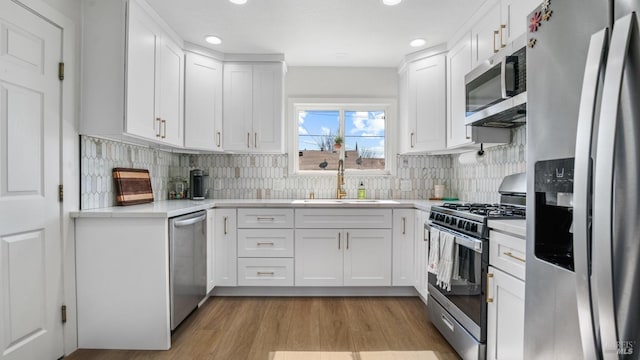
[466, 298]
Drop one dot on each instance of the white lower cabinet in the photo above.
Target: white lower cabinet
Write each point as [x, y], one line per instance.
[225, 247]
[505, 299]
[403, 247]
[421, 250]
[505, 316]
[265, 272]
[339, 257]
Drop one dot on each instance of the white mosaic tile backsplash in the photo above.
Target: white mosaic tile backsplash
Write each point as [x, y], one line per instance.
[266, 176]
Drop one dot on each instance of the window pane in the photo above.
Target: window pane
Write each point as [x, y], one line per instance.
[316, 130]
[364, 140]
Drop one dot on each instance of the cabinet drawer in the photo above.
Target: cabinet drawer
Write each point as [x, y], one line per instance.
[265, 218]
[265, 272]
[265, 243]
[507, 253]
[343, 218]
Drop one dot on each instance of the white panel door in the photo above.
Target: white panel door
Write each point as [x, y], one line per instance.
[485, 35]
[367, 257]
[428, 106]
[403, 244]
[143, 39]
[505, 316]
[30, 244]
[171, 92]
[459, 59]
[225, 248]
[267, 108]
[318, 257]
[238, 108]
[202, 103]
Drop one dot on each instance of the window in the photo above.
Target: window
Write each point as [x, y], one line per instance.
[361, 127]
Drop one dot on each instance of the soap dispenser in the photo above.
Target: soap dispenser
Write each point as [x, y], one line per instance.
[362, 192]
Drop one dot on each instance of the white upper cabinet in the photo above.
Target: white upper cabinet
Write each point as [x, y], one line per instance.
[203, 103]
[132, 74]
[253, 107]
[426, 114]
[503, 23]
[459, 64]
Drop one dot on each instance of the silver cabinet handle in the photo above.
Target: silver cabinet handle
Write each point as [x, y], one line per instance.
[495, 33]
[248, 139]
[404, 225]
[265, 218]
[347, 240]
[510, 254]
[219, 139]
[159, 121]
[502, 27]
[269, 243]
[339, 236]
[586, 116]
[411, 139]
[489, 276]
[255, 140]
[225, 225]
[266, 273]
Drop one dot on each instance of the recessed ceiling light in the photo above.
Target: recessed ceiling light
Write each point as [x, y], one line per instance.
[417, 42]
[212, 39]
[391, 2]
[239, 2]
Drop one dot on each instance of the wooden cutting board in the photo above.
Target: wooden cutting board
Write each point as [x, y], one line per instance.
[133, 186]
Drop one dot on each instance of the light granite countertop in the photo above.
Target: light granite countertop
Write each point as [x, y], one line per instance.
[171, 208]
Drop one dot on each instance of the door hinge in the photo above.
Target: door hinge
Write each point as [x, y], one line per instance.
[64, 313]
[60, 193]
[61, 71]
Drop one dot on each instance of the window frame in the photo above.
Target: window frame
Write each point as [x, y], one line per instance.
[388, 105]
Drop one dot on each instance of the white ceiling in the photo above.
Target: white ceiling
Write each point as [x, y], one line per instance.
[362, 33]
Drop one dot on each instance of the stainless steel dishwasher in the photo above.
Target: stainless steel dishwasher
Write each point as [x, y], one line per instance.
[188, 264]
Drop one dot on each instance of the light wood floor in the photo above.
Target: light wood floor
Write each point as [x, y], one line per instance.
[239, 328]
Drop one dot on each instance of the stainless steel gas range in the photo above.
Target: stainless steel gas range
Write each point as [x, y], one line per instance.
[458, 262]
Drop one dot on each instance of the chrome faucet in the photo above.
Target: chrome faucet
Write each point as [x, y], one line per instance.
[340, 192]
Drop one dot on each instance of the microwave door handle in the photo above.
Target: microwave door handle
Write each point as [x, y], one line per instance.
[619, 51]
[594, 67]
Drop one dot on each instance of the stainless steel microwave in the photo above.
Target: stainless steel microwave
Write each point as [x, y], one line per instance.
[496, 90]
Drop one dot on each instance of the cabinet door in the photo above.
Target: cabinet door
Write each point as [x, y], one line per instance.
[211, 233]
[514, 16]
[405, 127]
[267, 108]
[170, 92]
[203, 103]
[318, 257]
[403, 243]
[505, 316]
[142, 40]
[485, 40]
[427, 104]
[367, 260]
[421, 250]
[225, 247]
[459, 60]
[238, 108]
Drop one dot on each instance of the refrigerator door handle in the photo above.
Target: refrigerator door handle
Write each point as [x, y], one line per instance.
[603, 182]
[594, 68]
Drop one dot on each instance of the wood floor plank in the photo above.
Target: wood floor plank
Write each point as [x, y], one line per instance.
[273, 329]
[334, 329]
[240, 328]
[366, 330]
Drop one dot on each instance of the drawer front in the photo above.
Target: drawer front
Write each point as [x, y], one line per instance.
[270, 218]
[507, 253]
[352, 218]
[265, 243]
[265, 272]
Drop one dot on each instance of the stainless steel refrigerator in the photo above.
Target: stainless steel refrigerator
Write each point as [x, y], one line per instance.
[583, 168]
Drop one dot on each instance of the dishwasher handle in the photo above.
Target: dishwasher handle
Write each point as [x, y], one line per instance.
[191, 221]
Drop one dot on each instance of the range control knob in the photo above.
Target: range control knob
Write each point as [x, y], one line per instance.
[467, 226]
[447, 220]
[432, 216]
[454, 221]
[474, 227]
[461, 224]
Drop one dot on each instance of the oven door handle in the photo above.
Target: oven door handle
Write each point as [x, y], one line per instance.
[461, 239]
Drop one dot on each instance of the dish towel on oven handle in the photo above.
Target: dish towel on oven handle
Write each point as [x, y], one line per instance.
[434, 251]
[445, 266]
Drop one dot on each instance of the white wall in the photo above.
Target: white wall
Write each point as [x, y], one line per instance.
[351, 82]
